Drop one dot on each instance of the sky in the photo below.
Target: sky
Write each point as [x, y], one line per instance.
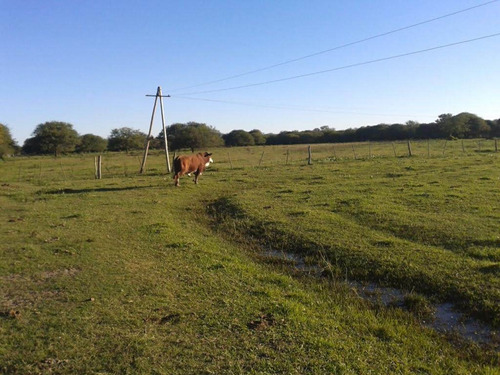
[269, 65]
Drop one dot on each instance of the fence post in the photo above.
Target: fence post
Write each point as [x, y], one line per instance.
[394, 149]
[409, 148]
[309, 160]
[262, 157]
[428, 148]
[496, 145]
[354, 152]
[98, 163]
[287, 155]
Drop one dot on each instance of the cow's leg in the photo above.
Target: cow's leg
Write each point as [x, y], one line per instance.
[176, 178]
[196, 174]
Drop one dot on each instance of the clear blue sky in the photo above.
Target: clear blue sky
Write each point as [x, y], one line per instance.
[91, 63]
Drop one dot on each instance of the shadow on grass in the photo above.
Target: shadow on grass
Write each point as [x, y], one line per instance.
[97, 190]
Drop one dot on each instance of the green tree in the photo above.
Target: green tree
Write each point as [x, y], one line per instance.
[53, 137]
[126, 139]
[91, 143]
[258, 137]
[7, 144]
[463, 125]
[239, 138]
[477, 126]
[494, 128]
[192, 135]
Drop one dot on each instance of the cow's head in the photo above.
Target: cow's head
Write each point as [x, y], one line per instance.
[210, 160]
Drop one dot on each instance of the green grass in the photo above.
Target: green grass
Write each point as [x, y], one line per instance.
[428, 227]
[130, 275]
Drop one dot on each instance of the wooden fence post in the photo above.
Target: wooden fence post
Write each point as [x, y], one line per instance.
[287, 155]
[309, 160]
[354, 152]
[409, 148]
[262, 157]
[62, 170]
[98, 163]
[394, 149]
[428, 148]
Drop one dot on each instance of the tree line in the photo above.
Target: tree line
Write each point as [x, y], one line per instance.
[57, 138]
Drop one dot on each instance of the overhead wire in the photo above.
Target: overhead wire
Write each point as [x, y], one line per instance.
[347, 66]
[338, 47]
[290, 107]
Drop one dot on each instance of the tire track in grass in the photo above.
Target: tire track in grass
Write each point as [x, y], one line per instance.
[374, 257]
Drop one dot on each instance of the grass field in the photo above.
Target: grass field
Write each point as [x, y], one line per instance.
[128, 274]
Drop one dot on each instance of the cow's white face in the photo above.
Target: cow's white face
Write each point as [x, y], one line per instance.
[210, 161]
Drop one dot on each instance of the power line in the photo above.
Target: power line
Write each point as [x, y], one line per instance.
[347, 66]
[339, 47]
[292, 107]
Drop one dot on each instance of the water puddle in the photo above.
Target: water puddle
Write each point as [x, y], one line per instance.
[445, 318]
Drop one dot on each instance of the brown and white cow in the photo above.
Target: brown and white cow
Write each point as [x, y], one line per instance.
[186, 164]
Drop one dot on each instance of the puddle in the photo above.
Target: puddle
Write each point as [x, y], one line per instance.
[294, 261]
[445, 318]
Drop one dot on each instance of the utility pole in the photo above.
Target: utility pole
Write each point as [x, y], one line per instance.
[148, 140]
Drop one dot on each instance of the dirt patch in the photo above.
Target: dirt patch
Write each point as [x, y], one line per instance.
[171, 318]
[262, 323]
[20, 291]
[66, 272]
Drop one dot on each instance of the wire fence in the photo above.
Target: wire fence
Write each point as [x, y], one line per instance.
[260, 156]
[44, 169]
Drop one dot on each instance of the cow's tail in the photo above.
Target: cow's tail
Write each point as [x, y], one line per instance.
[177, 166]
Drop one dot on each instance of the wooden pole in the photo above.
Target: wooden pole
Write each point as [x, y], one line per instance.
[496, 145]
[287, 155]
[309, 159]
[148, 140]
[169, 169]
[334, 153]
[99, 167]
[62, 170]
[409, 148]
[97, 164]
[394, 149]
[354, 152]
[369, 150]
[262, 157]
[428, 148]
